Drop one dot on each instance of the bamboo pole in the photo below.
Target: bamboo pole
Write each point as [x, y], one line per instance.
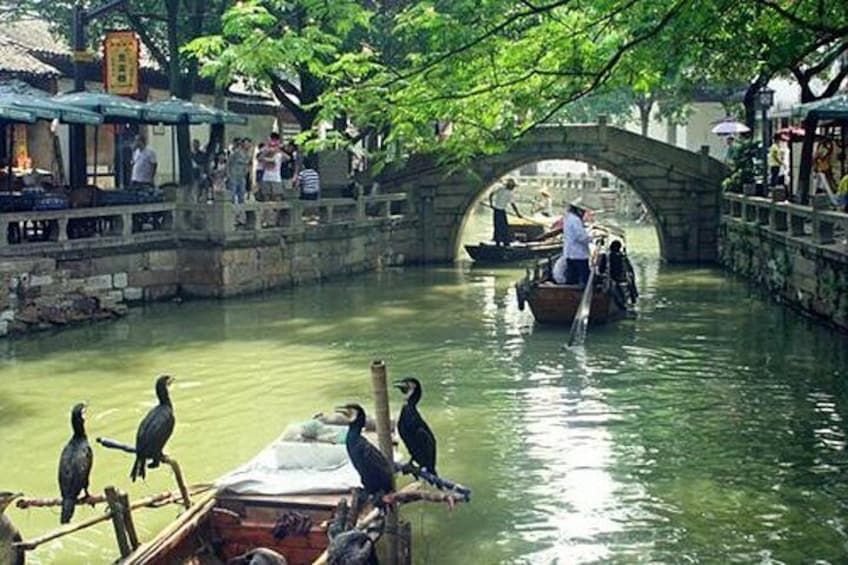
[379, 387]
[129, 524]
[150, 501]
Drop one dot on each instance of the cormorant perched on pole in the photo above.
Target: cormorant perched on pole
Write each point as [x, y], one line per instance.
[75, 464]
[413, 430]
[154, 430]
[9, 534]
[375, 471]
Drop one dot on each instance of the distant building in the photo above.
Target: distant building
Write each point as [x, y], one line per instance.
[29, 52]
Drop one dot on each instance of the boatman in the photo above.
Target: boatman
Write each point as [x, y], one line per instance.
[499, 200]
[575, 245]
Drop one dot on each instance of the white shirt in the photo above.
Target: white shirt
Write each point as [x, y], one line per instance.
[501, 198]
[575, 242]
[143, 165]
[272, 174]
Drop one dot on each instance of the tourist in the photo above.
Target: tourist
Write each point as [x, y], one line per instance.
[218, 176]
[258, 169]
[575, 245]
[825, 181]
[842, 193]
[250, 155]
[731, 151]
[144, 165]
[308, 182]
[499, 200]
[199, 160]
[237, 167]
[272, 158]
[776, 162]
[294, 164]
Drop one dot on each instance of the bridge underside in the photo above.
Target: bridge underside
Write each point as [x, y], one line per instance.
[680, 188]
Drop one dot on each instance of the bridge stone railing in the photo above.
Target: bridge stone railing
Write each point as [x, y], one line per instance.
[224, 222]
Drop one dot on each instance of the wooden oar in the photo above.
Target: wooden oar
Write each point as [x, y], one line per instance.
[581, 317]
[537, 222]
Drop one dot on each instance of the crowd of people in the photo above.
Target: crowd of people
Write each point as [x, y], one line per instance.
[267, 171]
[778, 168]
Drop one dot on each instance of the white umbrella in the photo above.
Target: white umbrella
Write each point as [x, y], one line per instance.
[730, 127]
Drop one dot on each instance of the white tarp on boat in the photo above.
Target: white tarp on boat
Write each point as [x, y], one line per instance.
[292, 467]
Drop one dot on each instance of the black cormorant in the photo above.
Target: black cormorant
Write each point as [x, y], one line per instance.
[154, 430]
[75, 464]
[413, 430]
[9, 534]
[375, 471]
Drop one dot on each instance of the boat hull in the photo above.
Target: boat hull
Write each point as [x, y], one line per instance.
[488, 253]
[557, 304]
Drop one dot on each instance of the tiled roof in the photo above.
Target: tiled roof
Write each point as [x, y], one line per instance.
[35, 36]
[16, 59]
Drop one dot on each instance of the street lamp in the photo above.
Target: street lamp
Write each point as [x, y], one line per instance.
[766, 98]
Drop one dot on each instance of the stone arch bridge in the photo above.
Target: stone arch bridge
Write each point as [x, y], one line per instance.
[680, 188]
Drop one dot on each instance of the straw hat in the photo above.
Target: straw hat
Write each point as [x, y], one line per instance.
[510, 183]
[544, 192]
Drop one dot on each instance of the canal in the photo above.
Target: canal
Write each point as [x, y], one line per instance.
[709, 429]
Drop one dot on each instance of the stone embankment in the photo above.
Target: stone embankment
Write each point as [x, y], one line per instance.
[82, 265]
[798, 254]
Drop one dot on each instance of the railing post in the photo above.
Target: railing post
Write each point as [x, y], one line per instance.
[62, 236]
[126, 224]
[296, 214]
[796, 225]
[777, 217]
[603, 130]
[360, 203]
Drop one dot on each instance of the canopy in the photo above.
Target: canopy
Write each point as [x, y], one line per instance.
[47, 109]
[194, 113]
[833, 108]
[116, 108]
[10, 113]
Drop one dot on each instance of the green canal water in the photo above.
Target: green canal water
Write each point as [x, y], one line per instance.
[709, 429]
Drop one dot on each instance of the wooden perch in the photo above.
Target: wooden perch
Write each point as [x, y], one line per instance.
[175, 466]
[150, 501]
[436, 481]
[406, 497]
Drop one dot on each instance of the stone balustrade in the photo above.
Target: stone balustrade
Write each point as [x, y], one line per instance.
[47, 232]
[227, 222]
[43, 232]
[817, 224]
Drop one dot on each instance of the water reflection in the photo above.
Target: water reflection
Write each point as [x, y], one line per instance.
[709, 429]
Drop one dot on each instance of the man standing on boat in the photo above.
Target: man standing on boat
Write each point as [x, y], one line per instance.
[575, 245]
[499, 200]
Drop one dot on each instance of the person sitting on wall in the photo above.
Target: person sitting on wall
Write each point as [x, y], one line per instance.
[499, 200]
[842, 193]
[825, 181]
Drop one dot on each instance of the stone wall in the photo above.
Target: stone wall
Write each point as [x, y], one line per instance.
[94, 284]
[296, 259]
[809, 276]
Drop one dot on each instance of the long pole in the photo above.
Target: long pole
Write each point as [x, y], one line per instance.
[76, 153]
[765, 150]
[379, 386]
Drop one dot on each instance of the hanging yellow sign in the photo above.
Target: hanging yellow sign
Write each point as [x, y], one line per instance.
[120, 64]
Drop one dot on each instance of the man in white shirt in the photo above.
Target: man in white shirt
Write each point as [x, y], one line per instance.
[499, 200]
[575, 246]
[144, 165]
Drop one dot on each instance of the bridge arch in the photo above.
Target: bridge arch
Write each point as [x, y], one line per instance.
[680, 188]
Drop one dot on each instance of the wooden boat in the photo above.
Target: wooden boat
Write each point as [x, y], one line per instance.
[524, 229]
[225, 525]
[491, 253]
[290, 482]
[553, 303]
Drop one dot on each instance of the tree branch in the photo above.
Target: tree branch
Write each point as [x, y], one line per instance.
[141, 29]
[801, 22]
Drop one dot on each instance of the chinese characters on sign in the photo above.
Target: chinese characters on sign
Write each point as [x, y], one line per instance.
[121, 63]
